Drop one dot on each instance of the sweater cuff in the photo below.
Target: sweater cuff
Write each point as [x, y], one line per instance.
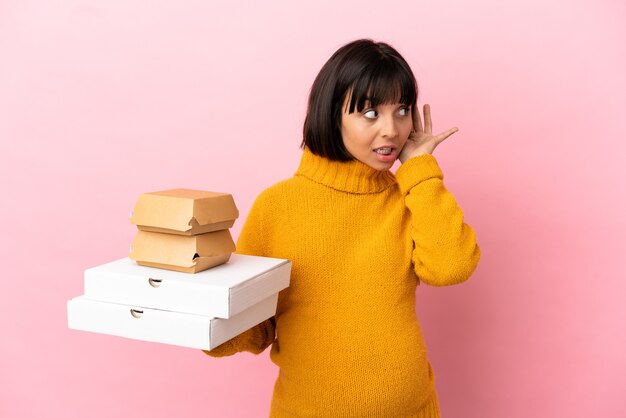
[416, 170]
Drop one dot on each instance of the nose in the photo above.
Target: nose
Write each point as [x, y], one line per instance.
[389, 128]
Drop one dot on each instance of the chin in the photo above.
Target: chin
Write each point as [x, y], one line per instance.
[375, 163]
[381, 166]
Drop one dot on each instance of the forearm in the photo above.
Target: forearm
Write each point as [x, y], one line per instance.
[250, 242]
[445, 248]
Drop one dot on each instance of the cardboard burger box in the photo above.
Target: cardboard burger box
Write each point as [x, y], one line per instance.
[189, 254]
[183, 229]
[200, 311]
[184, 212]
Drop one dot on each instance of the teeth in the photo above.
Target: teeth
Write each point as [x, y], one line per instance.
[385, 151]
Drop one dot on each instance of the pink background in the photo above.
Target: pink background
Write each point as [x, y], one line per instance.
[103, 100]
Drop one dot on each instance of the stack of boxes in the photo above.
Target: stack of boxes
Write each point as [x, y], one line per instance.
[183, 230]
[154, 298]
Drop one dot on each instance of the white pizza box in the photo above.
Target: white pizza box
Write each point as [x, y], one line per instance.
[222, 291]
[160, 326]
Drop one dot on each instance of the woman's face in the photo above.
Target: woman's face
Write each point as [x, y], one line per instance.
[385, 126]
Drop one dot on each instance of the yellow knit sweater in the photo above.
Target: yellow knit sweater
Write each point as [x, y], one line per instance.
[345, 335]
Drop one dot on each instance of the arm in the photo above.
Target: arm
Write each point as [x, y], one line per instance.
[251, 242]
[445, 250]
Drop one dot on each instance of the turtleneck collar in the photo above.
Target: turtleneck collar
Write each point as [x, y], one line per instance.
[350, 176]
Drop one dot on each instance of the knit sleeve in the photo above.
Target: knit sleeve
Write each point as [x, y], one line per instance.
[445, 251]
[255, 340]
[251, 241]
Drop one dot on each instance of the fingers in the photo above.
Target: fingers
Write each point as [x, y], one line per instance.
[417, 122]
[444, 135]
[428, 124]
[428, 128]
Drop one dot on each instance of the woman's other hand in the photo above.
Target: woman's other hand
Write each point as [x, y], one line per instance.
[421, 140]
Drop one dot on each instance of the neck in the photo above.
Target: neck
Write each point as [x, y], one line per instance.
[350, 176]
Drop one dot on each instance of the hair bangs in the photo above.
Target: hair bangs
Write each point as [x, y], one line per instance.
[386, 83]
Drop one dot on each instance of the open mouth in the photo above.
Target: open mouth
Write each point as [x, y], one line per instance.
[384, 151]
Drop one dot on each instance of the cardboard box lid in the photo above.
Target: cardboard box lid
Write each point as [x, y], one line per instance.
[184, 211]
[180, 250]
[167, 327]
[221, 291]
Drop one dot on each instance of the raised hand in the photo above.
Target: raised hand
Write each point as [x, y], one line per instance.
[421, 140]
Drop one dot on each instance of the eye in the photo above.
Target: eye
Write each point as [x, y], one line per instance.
[370, 111]
[405, 111]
